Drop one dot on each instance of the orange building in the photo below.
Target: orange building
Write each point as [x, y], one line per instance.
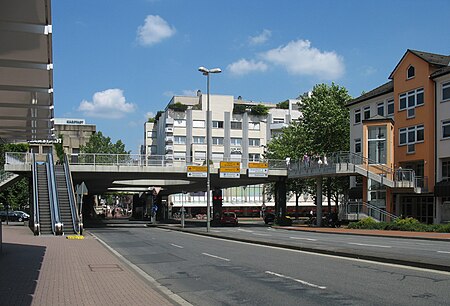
[404, 125]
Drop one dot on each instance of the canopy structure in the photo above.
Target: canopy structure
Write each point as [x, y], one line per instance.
[26, 70]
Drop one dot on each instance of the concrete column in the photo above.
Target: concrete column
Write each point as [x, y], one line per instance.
[280, 197]
[397, 205]
[319, 200]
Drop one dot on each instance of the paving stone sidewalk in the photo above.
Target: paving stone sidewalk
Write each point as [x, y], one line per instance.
[58, 271]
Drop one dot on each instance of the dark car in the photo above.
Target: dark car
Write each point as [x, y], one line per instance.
[13, 216]
[269, 218]
[229, 218]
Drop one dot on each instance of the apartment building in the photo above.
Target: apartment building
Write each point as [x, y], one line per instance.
[179, 134]
[405, 124]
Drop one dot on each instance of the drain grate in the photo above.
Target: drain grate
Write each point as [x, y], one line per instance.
[105, 268]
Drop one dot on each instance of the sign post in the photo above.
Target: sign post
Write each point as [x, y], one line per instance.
[230, 169]
[81, 191]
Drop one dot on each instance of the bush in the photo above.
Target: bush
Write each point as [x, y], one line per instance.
[407, 224]
[283, 221]
[444, 228]
[365, 223]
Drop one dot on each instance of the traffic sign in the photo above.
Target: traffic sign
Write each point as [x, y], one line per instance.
[234, 169]
[258, 165]
[197, 168]
[230, 164]
[197, 174]
[230, 175]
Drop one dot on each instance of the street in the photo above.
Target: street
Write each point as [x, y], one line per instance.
[211, 271]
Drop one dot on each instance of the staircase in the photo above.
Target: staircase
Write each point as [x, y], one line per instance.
[65, 210]
[45, 218]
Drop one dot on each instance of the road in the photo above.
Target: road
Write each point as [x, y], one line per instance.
[211, 271]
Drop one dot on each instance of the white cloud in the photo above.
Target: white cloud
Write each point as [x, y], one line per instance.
[244, 66]
[298, 57]
[107, 104]
[368, 70]
[149, 115]
[154, 30]
[261, 38]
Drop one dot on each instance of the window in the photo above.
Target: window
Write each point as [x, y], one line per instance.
[199, 155]
[179, 139]
[358, 145]
[236, 141]
[253, 157]
[411, 135]
[411, 72]
[198, 123]
[235, 125]
[217, 156]
[217, 124]
[357, 116]
[151, 150]
[217, 140]
[253, 142]
[199, 139]
[380, 109]
[390, 107]
[446, 170]
[377, 144]
[446, 91]
[151, 134]
[366, 112]
[278, 120]
[446, 129]
[179, 122]
[410, 100]
[253, 126]
[179, 155]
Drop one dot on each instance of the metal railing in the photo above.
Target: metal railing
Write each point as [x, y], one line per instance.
[101, 159]
[57, 226]
[35, 227]
[73, 207]
[5, 176]
[364, 209]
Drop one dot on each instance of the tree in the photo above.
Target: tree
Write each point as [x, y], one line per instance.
[259, 110]
[101, 144]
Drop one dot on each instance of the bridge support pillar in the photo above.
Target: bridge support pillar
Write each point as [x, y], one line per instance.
[280, 197]
[319, 200]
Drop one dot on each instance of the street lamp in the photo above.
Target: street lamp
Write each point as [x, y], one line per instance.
[207, 72]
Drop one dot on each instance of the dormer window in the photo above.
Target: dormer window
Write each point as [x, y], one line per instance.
[411, 72]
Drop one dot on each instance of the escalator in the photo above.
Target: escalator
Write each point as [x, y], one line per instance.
[64, 202]
[43, 198]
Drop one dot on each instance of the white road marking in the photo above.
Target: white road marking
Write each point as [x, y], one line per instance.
[445, 252]
[177, 246]
[371, 245]
[300, 238]
[243, 230]
[214, 256]
[297, 280]
[258, 234]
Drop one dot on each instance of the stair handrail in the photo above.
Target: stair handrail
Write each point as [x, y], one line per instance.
[77, 226]
[35, 227]
[57, 225]
[369, 206]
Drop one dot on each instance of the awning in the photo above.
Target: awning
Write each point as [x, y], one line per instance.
[442, 189]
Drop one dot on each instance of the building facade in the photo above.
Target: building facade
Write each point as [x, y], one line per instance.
[237, 133]
[405, 124]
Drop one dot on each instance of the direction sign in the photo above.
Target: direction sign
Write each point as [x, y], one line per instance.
[258, 165]
[234, 169]
[230, 175]
[197, 168]
[230, 164]
[197, 174]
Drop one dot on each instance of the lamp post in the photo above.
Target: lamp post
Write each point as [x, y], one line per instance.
[207, 72]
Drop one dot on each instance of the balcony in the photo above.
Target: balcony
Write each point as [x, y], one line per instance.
[169, 139]
[169, 120]
[278, 126]
[169, 149]
[169, 129]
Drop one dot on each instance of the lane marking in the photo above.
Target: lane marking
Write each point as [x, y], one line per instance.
[399, 266]
[297, 280]
[243, 230]
[371, 245]
[300, 238]
[177, 246]
[214, 256]
[445, 252]
[258, 234]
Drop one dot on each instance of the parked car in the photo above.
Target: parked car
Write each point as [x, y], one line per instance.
[229, 218]
[24, 215]
[13, 216]
[269, 218]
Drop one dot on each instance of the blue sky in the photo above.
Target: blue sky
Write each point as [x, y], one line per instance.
[116, 62]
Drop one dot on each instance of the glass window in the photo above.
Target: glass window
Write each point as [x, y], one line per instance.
[446, 91]
[278, 120]
[236, 141]
[412, 135]
[358, 145]
[412, 99]
[217, 156]
[366, 112]
[253, 142]
[357, 116]
[253, 126]
[198, 123]
[420, 133]
[403, 133]
[179, 139]
[235, 125]
[217, 124]
[446, 129]
[445, 169]
[179, 122]
[411, 72]
[253, 157]
[217, 140]
[402, 101]
[199, 139]
[380, 109]
[151, 134]
[377, 144]
[390, 107]
[179, 155]
[419, 97]
[199, 155]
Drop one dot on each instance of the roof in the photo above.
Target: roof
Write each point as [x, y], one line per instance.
[430, 58]
[440, 72]
[378, 118]
[381, 90]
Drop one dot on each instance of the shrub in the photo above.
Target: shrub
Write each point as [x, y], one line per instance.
[259, 110]
[178, 107]
[444, 228]
[365, 223]
[239, 109]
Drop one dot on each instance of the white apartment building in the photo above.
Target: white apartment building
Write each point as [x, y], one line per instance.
[236, 133]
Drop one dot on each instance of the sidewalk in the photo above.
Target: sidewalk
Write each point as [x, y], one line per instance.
[48, 270]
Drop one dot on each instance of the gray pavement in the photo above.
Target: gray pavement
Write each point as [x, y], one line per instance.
[48, 270]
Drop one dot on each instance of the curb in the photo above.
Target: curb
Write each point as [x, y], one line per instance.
[323, 251]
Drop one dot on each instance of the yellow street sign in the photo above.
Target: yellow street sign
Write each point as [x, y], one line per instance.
[258, 165]
[197, 169]
[230, 169]
[230, 164]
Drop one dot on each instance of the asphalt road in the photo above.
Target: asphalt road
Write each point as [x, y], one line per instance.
[210, 271]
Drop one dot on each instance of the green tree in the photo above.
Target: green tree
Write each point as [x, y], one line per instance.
[259, 110]
[101, 144]
[59, 148]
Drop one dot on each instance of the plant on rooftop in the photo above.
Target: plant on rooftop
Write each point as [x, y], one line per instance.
[283, 105]
[259, 110]
[178, 107]
[239, 109]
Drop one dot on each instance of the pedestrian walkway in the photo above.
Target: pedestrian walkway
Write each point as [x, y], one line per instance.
[379, 233]
[49, 270]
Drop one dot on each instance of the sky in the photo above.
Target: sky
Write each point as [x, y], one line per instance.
[118, 62]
